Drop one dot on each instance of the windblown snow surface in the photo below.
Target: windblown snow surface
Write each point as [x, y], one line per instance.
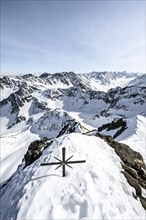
[92, 190]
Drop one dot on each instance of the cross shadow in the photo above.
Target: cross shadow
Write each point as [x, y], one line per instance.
[40, 177]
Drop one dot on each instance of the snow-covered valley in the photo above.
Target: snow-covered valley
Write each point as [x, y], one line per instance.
[72, 111]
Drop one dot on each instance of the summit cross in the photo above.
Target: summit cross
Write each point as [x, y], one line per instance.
[63, 162]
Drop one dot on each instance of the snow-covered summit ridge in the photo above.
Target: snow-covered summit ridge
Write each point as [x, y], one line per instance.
[95, 189]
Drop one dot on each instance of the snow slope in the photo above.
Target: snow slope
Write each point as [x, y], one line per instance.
[14, 146]
[93, 190]
[135, 135]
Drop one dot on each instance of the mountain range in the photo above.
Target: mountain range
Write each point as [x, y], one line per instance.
[97, 116]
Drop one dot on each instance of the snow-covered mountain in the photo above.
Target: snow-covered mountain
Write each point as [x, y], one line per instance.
[107, 80]
[79, 112]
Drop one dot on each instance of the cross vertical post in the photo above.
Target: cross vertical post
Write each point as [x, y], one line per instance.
[63, 161]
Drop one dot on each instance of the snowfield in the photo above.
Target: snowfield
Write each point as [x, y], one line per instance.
[92, 190]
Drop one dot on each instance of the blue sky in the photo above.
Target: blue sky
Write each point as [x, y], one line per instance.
[79, 36]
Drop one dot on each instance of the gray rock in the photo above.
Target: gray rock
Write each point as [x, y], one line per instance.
[143, 202]
[133, 182]
[130, 171]
[35, 150]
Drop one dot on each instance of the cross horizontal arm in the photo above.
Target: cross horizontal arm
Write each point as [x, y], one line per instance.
[77, 161]
[55, 163]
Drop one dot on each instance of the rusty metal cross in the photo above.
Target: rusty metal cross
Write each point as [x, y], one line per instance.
[63, 162]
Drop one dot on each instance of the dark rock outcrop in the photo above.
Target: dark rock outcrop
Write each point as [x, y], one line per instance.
[35, 150]
[143, 202]
[133, 182]
[17, 120]
[120, 123]
[69, 127]
[17, 99]
[132, 172]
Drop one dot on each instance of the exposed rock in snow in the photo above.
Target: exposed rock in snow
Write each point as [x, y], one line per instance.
[35, 150]
[117, 126]
[55, 123]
